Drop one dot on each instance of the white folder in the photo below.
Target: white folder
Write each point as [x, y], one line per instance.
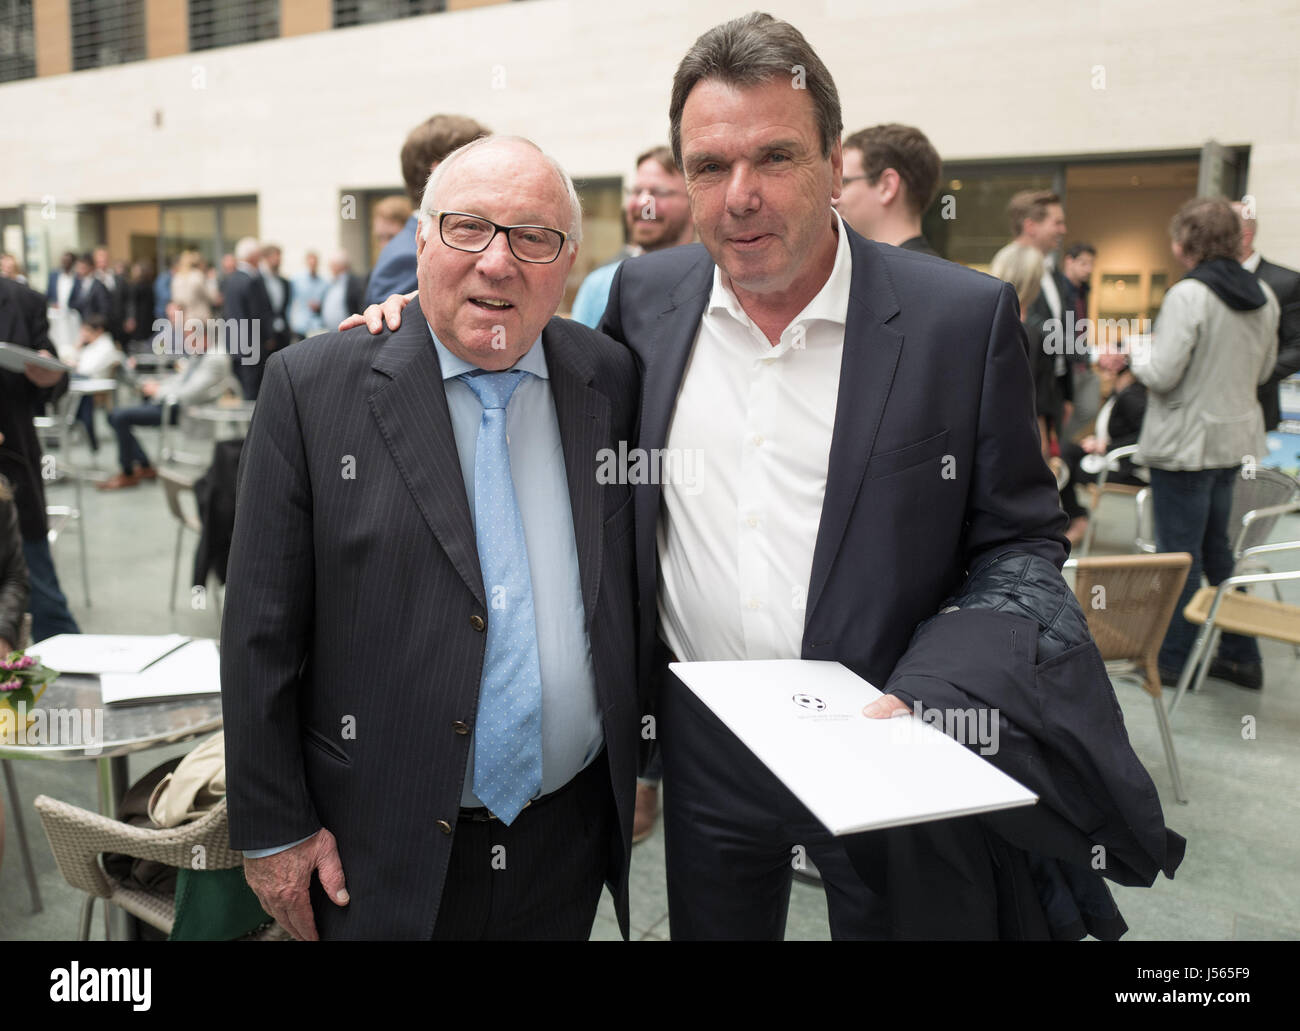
[803, 719]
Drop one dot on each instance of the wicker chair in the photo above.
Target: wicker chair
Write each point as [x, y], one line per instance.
[1138, 594]
[78, 837]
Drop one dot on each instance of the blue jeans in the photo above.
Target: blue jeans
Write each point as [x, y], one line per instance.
[129, 451]
[1192, 510]
[48, 606]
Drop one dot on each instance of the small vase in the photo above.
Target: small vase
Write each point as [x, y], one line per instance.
[11, 731]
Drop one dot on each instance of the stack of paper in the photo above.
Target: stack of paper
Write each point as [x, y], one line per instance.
[193, 669]
[104, 653]
[803, 719]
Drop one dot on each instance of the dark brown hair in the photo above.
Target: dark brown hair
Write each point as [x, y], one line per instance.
[750, 51]
[1206, 228]
[905, 149]
[431, 141]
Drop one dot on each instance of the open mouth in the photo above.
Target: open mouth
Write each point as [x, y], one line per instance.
[491, 303]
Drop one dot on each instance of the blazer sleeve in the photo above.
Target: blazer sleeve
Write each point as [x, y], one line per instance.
[1013, 504]
[266, 633]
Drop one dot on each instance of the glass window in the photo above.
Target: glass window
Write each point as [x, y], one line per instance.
[367, 12]
[238, 219]
[106, 32]
[224, 23]
[972, 226]
[17, 41]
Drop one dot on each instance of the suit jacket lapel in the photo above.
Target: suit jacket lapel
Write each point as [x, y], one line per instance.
[871, 351]
[663, 366]
[583, 414]
[411, 411]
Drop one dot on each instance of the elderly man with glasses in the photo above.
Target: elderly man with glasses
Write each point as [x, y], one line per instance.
[428, 665]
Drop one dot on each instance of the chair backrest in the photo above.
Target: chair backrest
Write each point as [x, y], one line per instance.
[1267, 487]
[1128, 601]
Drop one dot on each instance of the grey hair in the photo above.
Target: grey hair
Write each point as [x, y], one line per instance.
[246, 248]
[750, 51]
[427, 206]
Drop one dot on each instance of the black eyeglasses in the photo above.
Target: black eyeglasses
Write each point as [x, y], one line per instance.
[539, 245]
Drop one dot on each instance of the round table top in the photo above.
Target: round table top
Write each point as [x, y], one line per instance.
[91, 386]
[73, 708]
[241, 412]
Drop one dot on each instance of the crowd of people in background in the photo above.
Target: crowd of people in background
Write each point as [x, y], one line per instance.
[1088, 400]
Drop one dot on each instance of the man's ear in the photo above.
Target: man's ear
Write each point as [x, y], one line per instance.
[419, 240]
[890, 186]
[837, 170]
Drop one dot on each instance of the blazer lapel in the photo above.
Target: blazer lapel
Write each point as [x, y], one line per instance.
[871, 351]
[663, 366]
[411, 411]
[583, 415]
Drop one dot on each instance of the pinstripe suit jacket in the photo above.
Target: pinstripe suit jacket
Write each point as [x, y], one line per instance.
[350, 645]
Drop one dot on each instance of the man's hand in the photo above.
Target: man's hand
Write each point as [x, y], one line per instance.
[281, 882]
[886, 706]
[5, 647]
[40, 376]
[376, 315]
[149, 387]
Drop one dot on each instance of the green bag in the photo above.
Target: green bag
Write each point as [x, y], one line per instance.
[215, 905]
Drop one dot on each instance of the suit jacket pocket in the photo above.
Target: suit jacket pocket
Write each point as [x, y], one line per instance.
[898, 460]
[331, 748]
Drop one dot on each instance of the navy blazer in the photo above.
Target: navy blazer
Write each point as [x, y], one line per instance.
[355, 600]
[934, 462]
[396, 270]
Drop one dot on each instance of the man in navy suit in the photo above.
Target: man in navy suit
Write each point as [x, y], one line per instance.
[89, 296]
[858, 419]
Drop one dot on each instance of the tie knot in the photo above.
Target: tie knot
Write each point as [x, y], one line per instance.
[493, 389]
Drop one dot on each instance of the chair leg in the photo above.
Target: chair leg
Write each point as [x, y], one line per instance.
[1091, 532]
[1198, 651]
[1166, 736]
[16, 806]
[1211, 647]
[176, 565]
[87, 912]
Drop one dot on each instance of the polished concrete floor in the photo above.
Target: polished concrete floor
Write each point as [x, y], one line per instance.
[1241, 877]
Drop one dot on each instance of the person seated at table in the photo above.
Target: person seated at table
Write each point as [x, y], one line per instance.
[1118, 424]
[13, 591]
[97, 357]
[201, 378]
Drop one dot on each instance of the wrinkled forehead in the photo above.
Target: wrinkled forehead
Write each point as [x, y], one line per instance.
[508, 183]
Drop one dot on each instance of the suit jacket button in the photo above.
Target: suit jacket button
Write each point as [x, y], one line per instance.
[460, 728]
[444, 826]
[476, 621]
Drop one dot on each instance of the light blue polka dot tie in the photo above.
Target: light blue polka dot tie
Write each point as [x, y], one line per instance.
[508, 732]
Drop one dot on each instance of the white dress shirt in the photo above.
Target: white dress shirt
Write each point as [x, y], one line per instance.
[736, 539]
[1251, 264]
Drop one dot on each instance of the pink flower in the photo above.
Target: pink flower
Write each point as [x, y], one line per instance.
[26, 662]
[11, 685]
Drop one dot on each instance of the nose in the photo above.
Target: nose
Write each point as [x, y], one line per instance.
[742, 190]
[497, 261]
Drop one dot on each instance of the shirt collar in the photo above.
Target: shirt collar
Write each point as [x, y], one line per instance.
[831, 303]
[1252, 263]
[533, 360]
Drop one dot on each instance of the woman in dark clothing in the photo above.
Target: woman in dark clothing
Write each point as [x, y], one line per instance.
[13, 573]
[1118, 424]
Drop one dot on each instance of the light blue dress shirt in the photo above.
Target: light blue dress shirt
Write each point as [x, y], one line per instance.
[593, 295]
[572, 734]
[307, 288]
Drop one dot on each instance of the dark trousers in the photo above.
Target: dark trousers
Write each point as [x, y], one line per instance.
[123, 420]
[541, 877]
[1192, 510]
[250, 377]
[733, 835]
[48, 606]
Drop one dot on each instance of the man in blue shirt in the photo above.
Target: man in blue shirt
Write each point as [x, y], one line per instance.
[425, 147]
[657, 215]
[428, 670]
[307, 295]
